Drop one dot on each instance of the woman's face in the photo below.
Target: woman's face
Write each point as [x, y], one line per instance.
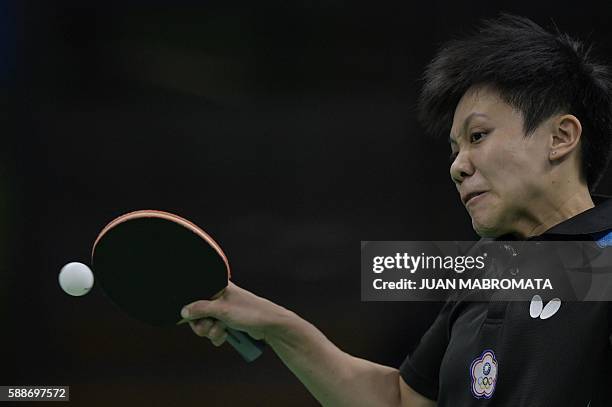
[499, 173]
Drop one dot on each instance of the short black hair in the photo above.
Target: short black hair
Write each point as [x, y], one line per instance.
[536, 72]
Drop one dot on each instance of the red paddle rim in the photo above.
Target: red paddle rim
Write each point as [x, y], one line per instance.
[153, 213]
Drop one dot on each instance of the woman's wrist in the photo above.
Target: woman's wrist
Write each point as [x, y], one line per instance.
[281, 326]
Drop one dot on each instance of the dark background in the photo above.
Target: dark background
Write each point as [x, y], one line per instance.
[286, 130]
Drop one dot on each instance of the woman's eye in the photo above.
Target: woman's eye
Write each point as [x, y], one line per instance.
[476, 137]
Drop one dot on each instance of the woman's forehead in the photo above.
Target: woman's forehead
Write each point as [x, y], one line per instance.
[485, 103]
[479, 99]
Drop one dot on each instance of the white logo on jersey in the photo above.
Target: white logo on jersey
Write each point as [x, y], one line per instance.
[537, 309]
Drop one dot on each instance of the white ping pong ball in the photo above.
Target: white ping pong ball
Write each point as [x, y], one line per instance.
[76, 279]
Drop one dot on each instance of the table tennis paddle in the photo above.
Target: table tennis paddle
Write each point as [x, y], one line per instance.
[152, 263]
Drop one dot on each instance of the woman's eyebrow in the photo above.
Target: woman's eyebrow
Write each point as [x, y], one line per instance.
[451, 139]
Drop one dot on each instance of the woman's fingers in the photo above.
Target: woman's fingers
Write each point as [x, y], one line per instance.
[210, 328]
[201, 327]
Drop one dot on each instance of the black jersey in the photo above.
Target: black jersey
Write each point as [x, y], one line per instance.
[500, 354]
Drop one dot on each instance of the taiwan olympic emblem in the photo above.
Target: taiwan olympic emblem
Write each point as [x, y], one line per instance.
[484, 375]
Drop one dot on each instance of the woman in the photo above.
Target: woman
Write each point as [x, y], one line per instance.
[529, 118]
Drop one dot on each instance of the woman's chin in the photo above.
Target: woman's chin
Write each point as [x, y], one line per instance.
[485, 229]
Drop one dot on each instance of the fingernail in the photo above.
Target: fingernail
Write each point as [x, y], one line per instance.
[185, 312]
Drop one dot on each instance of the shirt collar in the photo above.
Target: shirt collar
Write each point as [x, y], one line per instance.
[592, 221]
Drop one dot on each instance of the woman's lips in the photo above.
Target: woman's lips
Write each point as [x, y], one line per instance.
[474, 198]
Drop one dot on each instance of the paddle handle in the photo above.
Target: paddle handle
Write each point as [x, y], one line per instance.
[249, 348]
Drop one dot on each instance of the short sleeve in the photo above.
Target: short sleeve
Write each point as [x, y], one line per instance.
[421, 369]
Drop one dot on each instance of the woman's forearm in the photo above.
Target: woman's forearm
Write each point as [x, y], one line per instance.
[334, 377]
